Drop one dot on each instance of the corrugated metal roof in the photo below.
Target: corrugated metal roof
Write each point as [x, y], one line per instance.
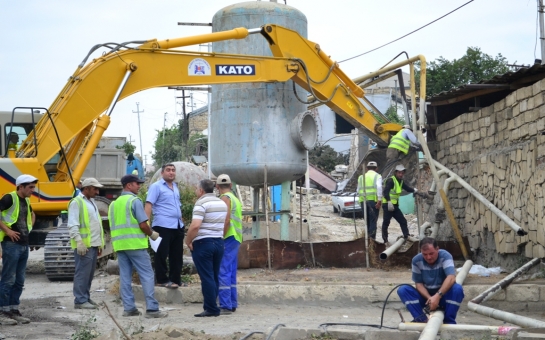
[520, 78]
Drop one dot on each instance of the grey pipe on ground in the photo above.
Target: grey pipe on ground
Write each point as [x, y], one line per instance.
[522, 321]
[392, 249]
[494, 330]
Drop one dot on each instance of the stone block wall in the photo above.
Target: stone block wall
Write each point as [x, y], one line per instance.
[198, 123]
[500, 151]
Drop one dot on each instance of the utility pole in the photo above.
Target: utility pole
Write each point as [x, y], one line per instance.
[185, 123]
[541, 30]
[395, 82]
[164, 126]
[139, 131]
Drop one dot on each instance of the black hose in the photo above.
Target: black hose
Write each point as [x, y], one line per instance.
[250, 334]
[274, 329]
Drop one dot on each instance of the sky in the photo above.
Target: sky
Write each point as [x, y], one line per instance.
[44, 41]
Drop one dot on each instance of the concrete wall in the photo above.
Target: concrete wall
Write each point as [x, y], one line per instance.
[500, 151]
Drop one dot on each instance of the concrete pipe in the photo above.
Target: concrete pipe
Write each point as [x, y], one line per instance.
[494, 330]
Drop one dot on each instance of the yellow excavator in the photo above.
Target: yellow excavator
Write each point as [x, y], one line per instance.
[72, 127]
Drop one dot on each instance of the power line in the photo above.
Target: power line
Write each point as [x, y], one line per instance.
[416, 30]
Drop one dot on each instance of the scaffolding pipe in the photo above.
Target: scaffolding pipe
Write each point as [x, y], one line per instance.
[494, 330]
[483, 200]
[436, 320]
[392, 249]
[522, 321]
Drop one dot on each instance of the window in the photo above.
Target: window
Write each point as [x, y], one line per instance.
[19, 132]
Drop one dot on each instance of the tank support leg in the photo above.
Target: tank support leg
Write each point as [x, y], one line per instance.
[285, 206]
[255, 224]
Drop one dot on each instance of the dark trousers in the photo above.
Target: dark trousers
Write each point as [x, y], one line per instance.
[14, 259]
[171, 246]
[207, 254]
[398, 216]
[371, 218]
[83, 276]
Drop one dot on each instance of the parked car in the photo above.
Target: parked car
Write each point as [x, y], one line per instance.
[345, 203]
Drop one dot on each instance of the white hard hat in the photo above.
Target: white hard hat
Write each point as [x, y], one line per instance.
[400, 167]
[372, 164]
[25, 179]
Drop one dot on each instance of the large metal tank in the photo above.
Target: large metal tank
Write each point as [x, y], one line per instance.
[257, 125]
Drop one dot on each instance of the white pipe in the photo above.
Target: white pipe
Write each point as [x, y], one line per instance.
[393, 248]
[441, 205]
[522, 321]
[483, 200]
[437, 317]
[422, 229]
[440, 173]
[494, 330]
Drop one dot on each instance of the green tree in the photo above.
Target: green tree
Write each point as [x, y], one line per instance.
[474, 66]
[128, 147]
[325, 157]
[175, 147]
[392, 116]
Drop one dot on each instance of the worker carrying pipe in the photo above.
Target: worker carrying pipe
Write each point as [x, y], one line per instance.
[400, 143]
[390, 202]
[434, 276]
[370, 193]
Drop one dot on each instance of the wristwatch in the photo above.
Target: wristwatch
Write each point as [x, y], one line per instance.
[440, 293]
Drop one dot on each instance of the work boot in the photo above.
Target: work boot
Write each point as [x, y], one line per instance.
[387, 244]
[225, 311]
[134, 312]
[155, 314]
[6, 318]
[85, 305]
[92, 302]
[16, 315]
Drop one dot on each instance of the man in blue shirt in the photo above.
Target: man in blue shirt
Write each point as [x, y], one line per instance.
[434, 276]
[164, 201]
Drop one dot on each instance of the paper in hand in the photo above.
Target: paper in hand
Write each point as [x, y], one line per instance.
[155, 244]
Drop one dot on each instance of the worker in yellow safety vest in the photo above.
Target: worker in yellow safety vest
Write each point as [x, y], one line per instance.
[400, 143]
[15, 225]
[370, 193]
[87, 240]
[390, 202]
[232, 235]
[130, 230]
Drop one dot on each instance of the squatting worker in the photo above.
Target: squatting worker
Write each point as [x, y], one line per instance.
[87, 240]
[16, 223]
[164, 201]
[370, 191]
[232, 238]
[435, 279]
[130, 231]
[205, 240]
[390, 202]
[400, 142]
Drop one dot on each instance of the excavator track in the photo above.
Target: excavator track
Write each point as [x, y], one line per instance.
[59, 255]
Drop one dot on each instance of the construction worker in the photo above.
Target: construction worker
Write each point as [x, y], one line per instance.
[130, 231]
[400, 142]
[13, 141]
[232, 235]
[87, 240]
[390, 202]
[434, 276]
[372, 195]
[16, 223]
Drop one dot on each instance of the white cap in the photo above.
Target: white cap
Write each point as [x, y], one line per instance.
[91, 182]
[223, 179]
[407, 127]
[400, 167]
[24, 179]
[372, 164]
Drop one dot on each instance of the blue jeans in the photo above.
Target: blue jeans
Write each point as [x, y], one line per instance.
[207, 254]
[14, 259]
[138, 259]
[83, 276]
[415, 302]
[228, 274]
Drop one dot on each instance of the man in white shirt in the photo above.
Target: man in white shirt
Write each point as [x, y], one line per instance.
[87, 240]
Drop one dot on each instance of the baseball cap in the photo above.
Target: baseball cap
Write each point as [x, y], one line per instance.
[91, 182]
[131, 178]
[223, 179]
[24, 179]
[372, 163]
[400, 167]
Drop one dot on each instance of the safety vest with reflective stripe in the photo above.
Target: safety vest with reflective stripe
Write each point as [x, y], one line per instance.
[85, 223]
[370, 192]
[399, 142]
[235, 221]
[395, 192]
[126, 232]
[9, 216]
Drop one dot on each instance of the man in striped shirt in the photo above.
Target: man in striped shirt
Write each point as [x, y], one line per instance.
[434, 276]
[205, 240]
